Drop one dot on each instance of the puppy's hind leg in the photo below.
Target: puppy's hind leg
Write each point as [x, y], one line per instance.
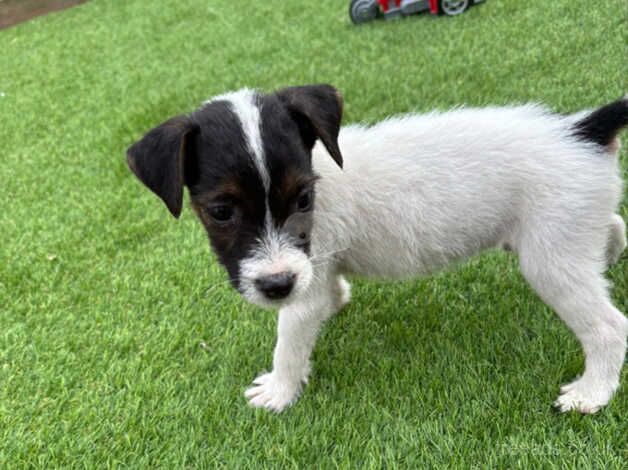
[616, 240]
[578, 293]
[341, 292]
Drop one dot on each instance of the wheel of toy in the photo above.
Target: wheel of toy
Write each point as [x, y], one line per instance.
[453, 7]
[362, 11]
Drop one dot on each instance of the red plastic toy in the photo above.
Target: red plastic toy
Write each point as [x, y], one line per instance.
[362, 11]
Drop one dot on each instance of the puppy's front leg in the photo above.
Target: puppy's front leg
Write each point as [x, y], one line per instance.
[297, 329]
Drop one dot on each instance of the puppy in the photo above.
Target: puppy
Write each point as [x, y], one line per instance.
[417, 192]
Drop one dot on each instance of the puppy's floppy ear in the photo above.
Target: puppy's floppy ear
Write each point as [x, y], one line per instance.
[317, 110]
[158, 160]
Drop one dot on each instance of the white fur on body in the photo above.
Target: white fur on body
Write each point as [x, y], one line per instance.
[419, 192]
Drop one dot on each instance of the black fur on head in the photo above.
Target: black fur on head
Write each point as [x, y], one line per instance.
[242, 185]
[159, 160]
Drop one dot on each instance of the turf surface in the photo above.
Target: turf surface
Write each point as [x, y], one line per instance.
[105, 300]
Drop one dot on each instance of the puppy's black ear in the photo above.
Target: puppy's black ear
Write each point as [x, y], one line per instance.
[159, 160]
[317, 110]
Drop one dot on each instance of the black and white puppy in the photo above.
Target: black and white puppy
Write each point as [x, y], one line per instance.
[417, 192]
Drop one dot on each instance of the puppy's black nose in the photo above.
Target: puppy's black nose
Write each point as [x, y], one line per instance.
[276, 286]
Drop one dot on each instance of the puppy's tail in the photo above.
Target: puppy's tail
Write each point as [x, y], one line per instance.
[602, 125]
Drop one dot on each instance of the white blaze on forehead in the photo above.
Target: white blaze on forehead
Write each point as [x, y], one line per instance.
[244, 106]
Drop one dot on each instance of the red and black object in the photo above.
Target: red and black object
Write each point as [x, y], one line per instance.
[362, 11]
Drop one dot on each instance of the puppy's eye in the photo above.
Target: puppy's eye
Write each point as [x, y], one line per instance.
[221, 214]
[304, 202]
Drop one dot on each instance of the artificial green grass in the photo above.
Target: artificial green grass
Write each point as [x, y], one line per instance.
[105, 300]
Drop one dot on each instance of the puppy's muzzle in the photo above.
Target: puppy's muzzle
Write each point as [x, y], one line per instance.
[276, 286]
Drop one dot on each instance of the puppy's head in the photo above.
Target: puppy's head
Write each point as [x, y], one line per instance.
[246, 160]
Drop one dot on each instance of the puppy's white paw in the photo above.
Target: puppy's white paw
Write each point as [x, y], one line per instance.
[272, 393]
[583, 397]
